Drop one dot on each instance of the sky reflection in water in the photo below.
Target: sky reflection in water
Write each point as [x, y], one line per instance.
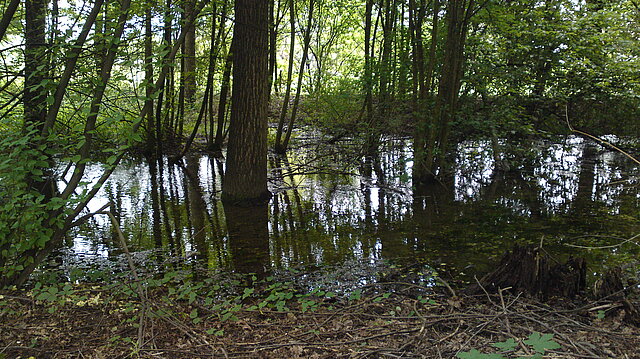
[323, 212]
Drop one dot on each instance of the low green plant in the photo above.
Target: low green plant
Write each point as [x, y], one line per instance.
[538, 343]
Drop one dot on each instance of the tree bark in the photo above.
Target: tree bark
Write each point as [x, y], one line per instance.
[245, 180]
[432, 135]
[303, 62]
[368, 66]
[386, 66]
[152, 140]
[70, 65]
[222, 104]
[164, 117]
[287, 91]
[189, 54]
[7, 16]
[459, 12]
[36, 64]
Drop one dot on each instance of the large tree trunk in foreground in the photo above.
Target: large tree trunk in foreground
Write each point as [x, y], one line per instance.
[245, 180]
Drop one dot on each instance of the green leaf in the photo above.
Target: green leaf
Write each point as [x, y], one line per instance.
[475, 354]
[193, 314]
[247, 292]
[215, 332]
[541, 342]
[507, 345]
[356, 294]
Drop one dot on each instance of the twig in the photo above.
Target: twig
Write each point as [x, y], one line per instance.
[597, 139]
[453, 292]
[609, 246]
[132, 266]
[505, 311]
[484, 290]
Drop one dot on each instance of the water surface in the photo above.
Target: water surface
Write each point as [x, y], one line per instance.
[566, 194]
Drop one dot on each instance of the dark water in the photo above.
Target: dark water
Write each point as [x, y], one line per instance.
[566, 194]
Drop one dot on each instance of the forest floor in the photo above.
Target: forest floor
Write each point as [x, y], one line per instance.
[395, 322]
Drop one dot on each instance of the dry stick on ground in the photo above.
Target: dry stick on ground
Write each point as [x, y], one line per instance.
[505, 312]
[132, 267]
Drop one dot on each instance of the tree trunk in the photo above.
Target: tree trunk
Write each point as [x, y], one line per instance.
[152, 141]
[189, 55]
[287, 91]
[245, 180]
[303, 62]
[371, 141]
[368, 66]
[386, 66]
[37, 255]
[36, 64]
[7, 16]
[273, 38]
[222, 105]
[459, 13]
[431, 136]
[164, 117]
[428, 77]
[70, 64]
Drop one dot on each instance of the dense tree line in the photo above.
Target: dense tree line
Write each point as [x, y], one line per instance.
[94, 81]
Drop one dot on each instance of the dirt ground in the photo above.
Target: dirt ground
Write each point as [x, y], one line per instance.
[389, 324]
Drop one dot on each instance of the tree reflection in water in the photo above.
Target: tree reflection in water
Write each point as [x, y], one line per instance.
[248, 238]
[325, 211]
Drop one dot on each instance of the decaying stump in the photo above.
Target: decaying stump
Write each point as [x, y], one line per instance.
[526, 269]
[612, 287]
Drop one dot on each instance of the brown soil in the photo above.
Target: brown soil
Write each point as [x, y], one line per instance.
[371, 327]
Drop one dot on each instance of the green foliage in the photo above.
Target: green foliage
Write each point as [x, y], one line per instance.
[336, 109]
[545, 55]
[474, 354]
[509, 344]
[27, 218]
[539, 343]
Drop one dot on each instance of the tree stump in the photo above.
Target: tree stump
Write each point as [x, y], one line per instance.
[526, 269]
[613, 287]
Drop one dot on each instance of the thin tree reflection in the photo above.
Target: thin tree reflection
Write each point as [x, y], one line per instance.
[583, 201]
[155, 203]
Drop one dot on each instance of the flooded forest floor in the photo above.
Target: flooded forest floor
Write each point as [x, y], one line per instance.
[411, 256]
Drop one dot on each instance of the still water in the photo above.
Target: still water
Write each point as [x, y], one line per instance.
[567, 194]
